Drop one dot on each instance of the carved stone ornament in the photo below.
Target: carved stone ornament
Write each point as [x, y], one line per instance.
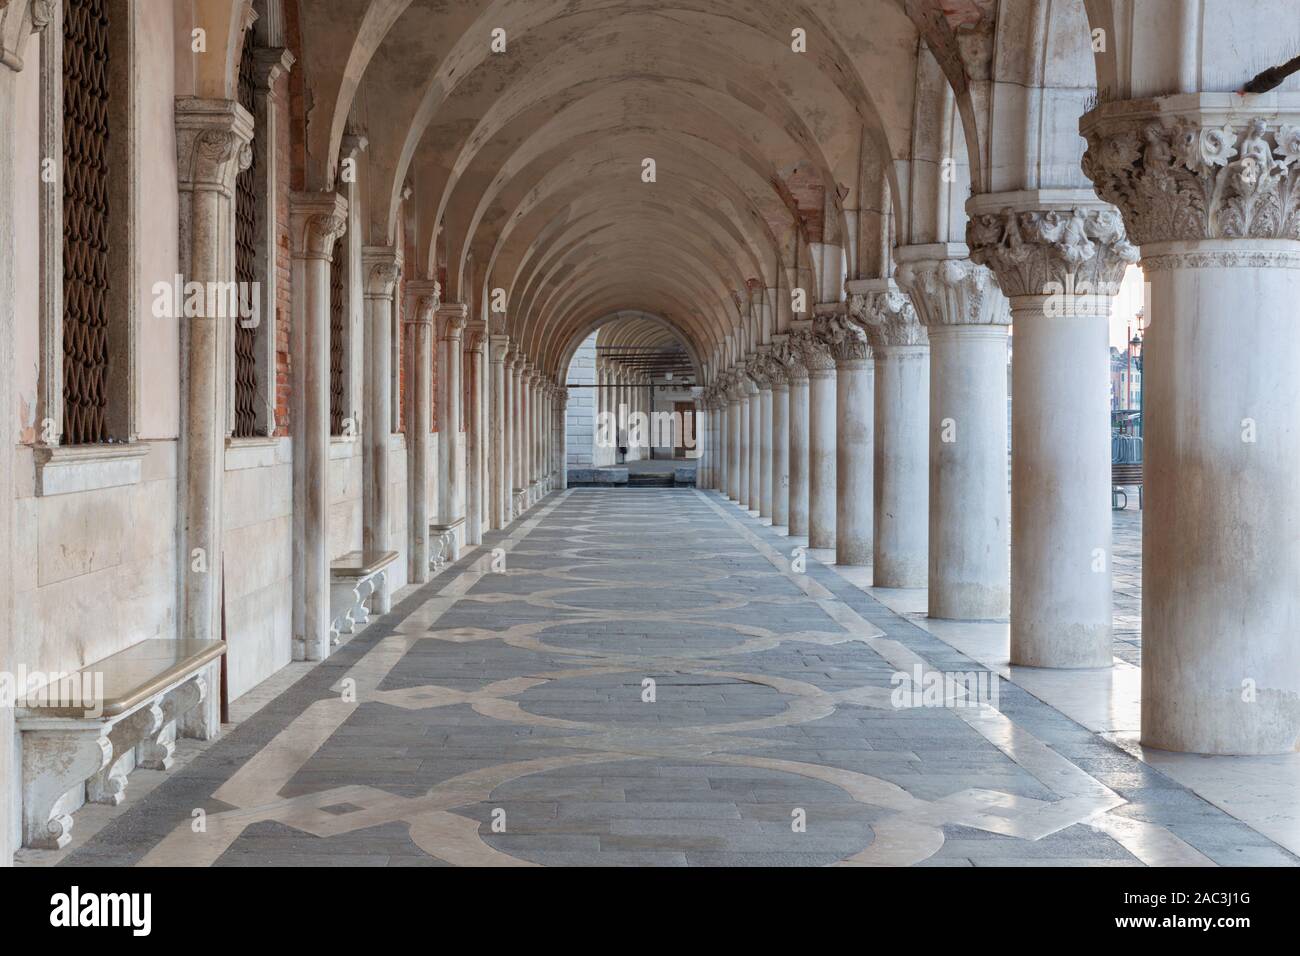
[889, 318]
[1212, 174]
[847, 340]
[1042, 251]
[816, 349]
[947, 292]
[791, 357]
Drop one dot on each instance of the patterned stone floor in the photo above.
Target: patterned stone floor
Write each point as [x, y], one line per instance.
[645, 677]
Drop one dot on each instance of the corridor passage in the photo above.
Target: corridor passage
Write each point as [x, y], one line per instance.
[651, 677]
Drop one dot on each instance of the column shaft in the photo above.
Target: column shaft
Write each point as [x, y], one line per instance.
[780, 453]
[380, 268]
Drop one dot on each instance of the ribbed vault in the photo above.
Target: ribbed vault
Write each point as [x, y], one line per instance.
[524, 170]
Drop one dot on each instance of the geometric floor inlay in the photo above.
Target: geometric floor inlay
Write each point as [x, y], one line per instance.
[650, 680]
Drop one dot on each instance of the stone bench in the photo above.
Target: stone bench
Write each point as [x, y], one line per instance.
[443, 543]
[77, 750]
[353, 579]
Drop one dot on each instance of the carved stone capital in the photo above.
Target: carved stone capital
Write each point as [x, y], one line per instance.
[818, 358]
[846, 339]
[425, 297]
[317, 219]
[1060, 242]
[886, 313]
[452, 317]
[947, 292]
[1197, 166]
[382, 266]
[213, 143]
[790, 354]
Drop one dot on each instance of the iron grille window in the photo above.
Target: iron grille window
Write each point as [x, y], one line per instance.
[86, 283]
[337, 302]
[246, 395]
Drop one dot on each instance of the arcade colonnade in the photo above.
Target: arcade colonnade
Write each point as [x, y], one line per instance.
[423, 212]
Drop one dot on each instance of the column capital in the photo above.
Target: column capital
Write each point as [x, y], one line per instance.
[498, 346]
[1200, 166]
[213, 143]
[846, 339]
[475, 335]
[452, 318]
[382, 265]
[886, 312]
[949, 291]
[318, 219]
[425, 296]
[1045, 241]
[789, 352]
[818, 358]
[269, 64]
[515, 359]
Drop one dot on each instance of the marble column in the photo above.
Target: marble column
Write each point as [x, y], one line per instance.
[423, 299]
[780, 440]
[854, 438]
[819, 361]
[1059, 256]
[318, 219]
[475, 343]
[754, 423]
[764, 496]
[791, 355]
[966, 317]
[517, 433]
[746, 387]
[509, 413]
[498, 447]
[451, 317]
[380, 266]
[212, 148]
[562, 438]
[526, 399]
[902, 454]
[1207, 185]
[735, 453]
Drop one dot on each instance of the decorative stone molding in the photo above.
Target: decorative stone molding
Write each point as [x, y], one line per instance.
[1197, 166]
[887, 315]
[846, 339]
[1049, 249]
[948, 292]
[1246, 258]
[270, 64]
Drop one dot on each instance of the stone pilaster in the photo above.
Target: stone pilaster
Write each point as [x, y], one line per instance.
[380, 266]
[966, 317]
[212, 148]
[424, 299]
[1209, 186]
[1059, 257]
[317, 220]
[902, 419]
